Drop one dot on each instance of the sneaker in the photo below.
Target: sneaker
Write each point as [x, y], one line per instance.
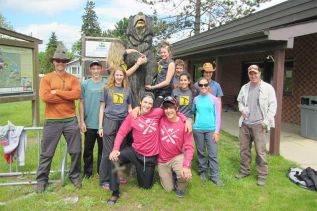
[76, 182]
[123, 181]
[203, 177]
[40, 188]
[113, 200]
[180, 194]
[241, 176]
[261, 181]
[106, 187]
[219, 183]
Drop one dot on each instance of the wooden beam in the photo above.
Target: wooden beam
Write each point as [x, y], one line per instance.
[19, 36]
[16, 98]
[278, 80]
[36, 101]
[17, 43]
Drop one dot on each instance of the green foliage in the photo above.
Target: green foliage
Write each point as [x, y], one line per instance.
[4, 23]
[90, 26]
[119, 30]
[45, 61]
[200, 15]
[76, 49]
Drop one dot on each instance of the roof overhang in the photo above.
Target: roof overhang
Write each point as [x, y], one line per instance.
[288, 33]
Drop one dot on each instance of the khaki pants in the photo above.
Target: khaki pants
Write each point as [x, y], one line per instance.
[166, 170]
[260, 136]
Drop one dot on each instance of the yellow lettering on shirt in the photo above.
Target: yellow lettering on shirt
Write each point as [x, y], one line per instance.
[184, 100]
[118, 98]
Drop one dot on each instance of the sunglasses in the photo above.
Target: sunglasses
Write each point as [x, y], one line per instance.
[60, 61]
[201, 85]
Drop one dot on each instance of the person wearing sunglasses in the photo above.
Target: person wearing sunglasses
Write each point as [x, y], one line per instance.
[59, 90]
[215, 88]
[206, 130]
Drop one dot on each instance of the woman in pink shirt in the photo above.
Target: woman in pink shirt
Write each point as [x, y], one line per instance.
[145, 147]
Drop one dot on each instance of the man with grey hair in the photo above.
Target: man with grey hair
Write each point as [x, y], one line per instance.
[257, 104]
[59, 90]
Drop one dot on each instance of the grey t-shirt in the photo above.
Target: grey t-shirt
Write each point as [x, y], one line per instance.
[185, 100]
[255, 115]
[117, 103]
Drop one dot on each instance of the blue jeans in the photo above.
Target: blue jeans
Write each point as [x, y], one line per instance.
[203, 138]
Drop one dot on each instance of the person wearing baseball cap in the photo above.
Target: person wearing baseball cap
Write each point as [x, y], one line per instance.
[257, 104]
[89, 115]
[207, 71]
[176, 149]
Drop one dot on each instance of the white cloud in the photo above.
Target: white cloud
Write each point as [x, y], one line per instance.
[65, 33]
[47, 7]
[269, 4]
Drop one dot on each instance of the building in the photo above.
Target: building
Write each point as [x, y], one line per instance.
[74, 67]
[282, 40]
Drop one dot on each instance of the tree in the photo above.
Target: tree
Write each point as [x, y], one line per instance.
[90, 26]
[4, 23]
[197, 15]
[51, 46]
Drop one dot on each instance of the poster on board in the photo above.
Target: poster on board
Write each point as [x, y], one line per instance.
[16, 70]
[97, 48]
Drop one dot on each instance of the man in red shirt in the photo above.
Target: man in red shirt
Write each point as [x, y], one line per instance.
[176, 149]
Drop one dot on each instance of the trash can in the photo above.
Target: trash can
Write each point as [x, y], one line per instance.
[308, 113]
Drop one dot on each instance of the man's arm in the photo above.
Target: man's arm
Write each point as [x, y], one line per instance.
[45, 93]
[81, 116]
[73, 94]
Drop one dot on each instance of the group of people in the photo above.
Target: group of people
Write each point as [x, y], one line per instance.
[157, 132]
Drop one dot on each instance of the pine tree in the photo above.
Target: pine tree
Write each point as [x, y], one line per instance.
[49, 52]
[90, 25]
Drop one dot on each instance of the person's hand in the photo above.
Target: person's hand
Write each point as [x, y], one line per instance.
[148, 87]
[186, 173]
[53, 92]
[83, 128]
[100, 132]
[142, 60]
[216, 137]
[114, 155]
[189, 125]
[136, 112]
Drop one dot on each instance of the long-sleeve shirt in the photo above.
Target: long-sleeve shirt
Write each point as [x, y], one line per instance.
[174, 141]
[208, 114]
[62, 104]
[145, 132]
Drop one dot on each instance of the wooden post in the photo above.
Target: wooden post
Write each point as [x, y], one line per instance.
[278, 80]
[218, 70]
[36, 100]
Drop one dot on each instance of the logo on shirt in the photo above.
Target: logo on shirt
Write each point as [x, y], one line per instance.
[184, 100]
[169, 135]
[148, 125]
[159, 68]
[118, 98]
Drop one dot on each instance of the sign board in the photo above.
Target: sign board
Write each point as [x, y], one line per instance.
[16, 70]
[96, 48]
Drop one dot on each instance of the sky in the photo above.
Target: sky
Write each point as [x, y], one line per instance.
[39, 18]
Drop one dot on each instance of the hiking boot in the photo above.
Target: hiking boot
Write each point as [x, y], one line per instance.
[40, 188]
[76, 182]
[180, 194]
[261, 181]
[241, 176]
[219, 183]
[203, 177]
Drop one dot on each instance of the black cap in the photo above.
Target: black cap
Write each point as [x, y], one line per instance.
[171, 100]
[95, 62]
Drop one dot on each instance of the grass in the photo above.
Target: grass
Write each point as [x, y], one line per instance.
[278, 194]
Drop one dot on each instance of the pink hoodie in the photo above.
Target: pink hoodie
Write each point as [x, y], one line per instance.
[174, 140]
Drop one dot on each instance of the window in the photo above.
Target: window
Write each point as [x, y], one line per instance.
[288, 78]
[74, 71]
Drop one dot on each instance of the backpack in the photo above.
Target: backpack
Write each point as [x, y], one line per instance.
[306, 178]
